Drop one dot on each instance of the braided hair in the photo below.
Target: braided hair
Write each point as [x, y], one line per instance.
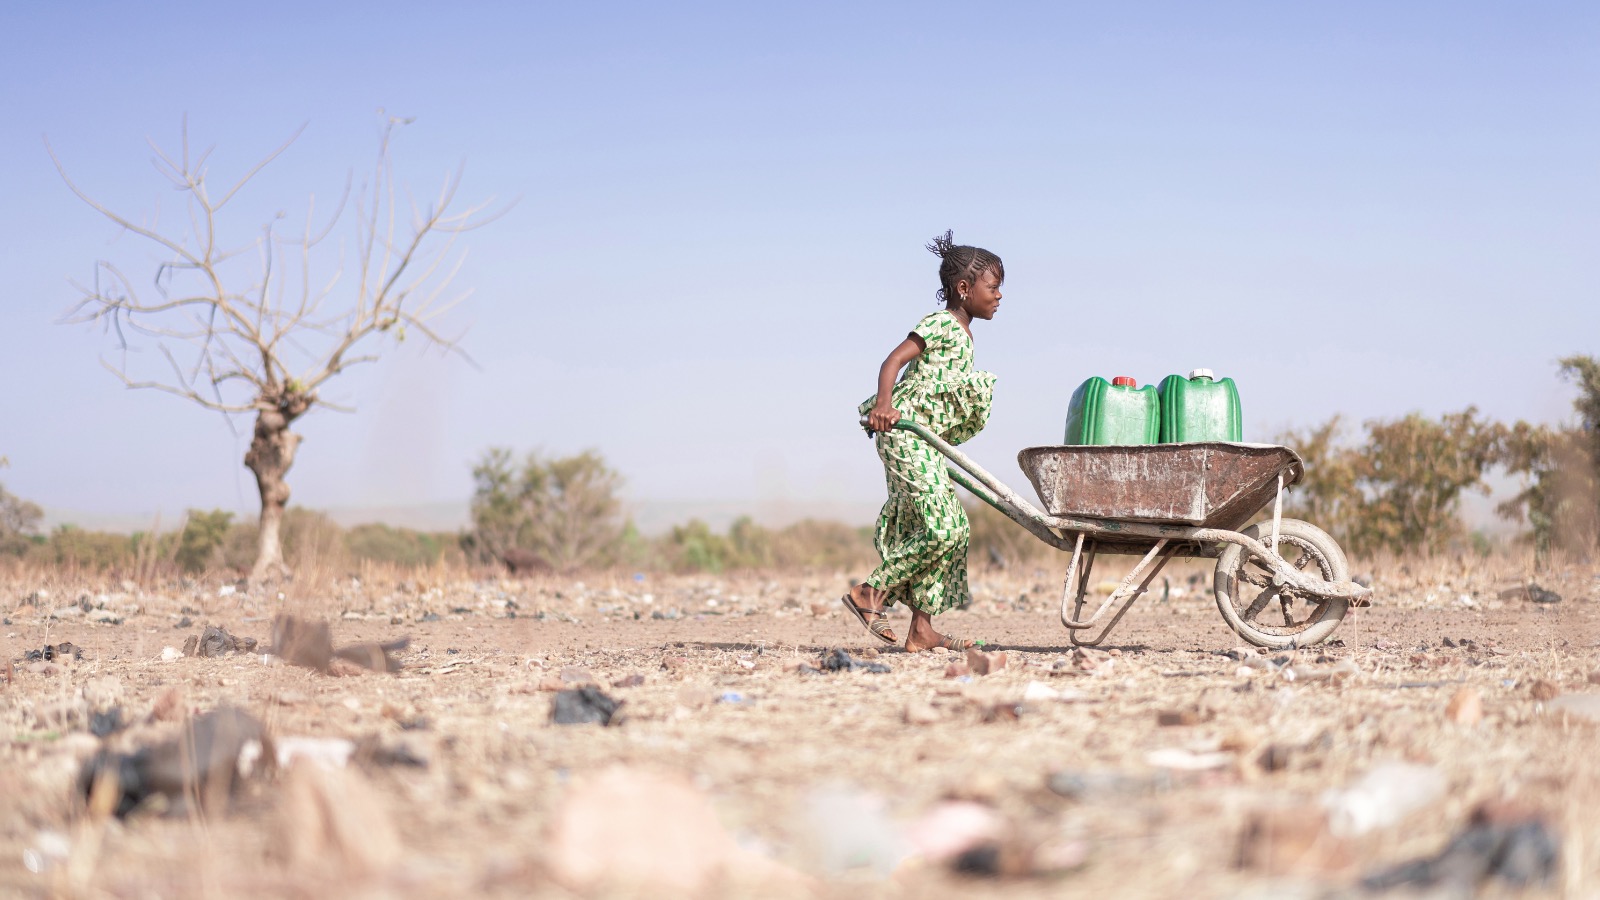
[961, 263]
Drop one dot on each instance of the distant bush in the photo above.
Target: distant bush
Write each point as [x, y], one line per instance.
[1398, 488]
[204, 536]
[565, 511]
[398, 546]
[19, 522]
[805, 545]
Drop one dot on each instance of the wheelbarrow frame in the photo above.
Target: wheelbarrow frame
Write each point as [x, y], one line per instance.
[1159, 542]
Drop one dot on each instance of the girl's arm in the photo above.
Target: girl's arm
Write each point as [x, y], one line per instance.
[883, 414]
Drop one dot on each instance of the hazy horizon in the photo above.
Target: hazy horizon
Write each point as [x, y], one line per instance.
[1366, 209]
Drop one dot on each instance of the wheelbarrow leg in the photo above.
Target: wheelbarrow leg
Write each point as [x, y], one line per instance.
[1081, 577]
[1125, 592]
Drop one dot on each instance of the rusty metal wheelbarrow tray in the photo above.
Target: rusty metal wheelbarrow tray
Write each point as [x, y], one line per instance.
[1212, 484]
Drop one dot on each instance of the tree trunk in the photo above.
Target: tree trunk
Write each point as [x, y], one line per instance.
[270, 456]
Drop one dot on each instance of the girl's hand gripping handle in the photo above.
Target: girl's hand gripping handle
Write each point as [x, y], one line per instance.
[882, 417]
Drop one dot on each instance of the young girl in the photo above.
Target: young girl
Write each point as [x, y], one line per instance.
[922, 531]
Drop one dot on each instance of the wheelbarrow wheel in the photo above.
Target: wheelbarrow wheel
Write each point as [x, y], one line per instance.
[1278, 617]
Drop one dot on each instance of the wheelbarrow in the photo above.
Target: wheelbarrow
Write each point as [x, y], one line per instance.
[1279, 583]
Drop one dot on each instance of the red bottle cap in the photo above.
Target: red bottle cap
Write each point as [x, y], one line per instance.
[1124, 381]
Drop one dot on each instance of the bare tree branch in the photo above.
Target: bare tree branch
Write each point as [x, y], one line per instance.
[232, 326]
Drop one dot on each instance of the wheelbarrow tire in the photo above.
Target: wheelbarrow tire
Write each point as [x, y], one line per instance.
[1330, 565]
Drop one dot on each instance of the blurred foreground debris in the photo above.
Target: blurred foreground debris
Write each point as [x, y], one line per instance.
[1384, 796]
[206, 762]
[628, 828]
[331, 817]
[310, 644]
[1501, 842]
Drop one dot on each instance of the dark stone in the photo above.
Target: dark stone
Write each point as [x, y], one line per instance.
[1540, 595]
[583, 706]
[837, 660]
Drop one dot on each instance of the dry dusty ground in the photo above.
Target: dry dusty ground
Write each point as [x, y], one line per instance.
[1165, 768]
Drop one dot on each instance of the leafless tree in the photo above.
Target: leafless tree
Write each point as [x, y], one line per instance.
[249, 328]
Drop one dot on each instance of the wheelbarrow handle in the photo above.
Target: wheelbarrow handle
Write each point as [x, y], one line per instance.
[991, 490]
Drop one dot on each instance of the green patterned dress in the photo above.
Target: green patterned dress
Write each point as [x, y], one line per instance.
[922, 532]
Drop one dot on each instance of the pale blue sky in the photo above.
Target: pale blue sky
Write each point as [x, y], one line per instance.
[1366, 208]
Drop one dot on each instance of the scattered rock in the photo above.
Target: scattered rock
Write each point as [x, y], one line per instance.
[980, 662]
[215, 641]
[65, 651]
[577, 676]
[837, 660]
[628, 681]
[1465, 707]
[1093, 662]
[583, 706]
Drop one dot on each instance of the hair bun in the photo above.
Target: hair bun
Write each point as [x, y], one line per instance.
[943, 244]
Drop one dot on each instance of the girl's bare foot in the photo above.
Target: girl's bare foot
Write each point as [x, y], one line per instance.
[867, 598]
[923, 637]
[866, 603]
